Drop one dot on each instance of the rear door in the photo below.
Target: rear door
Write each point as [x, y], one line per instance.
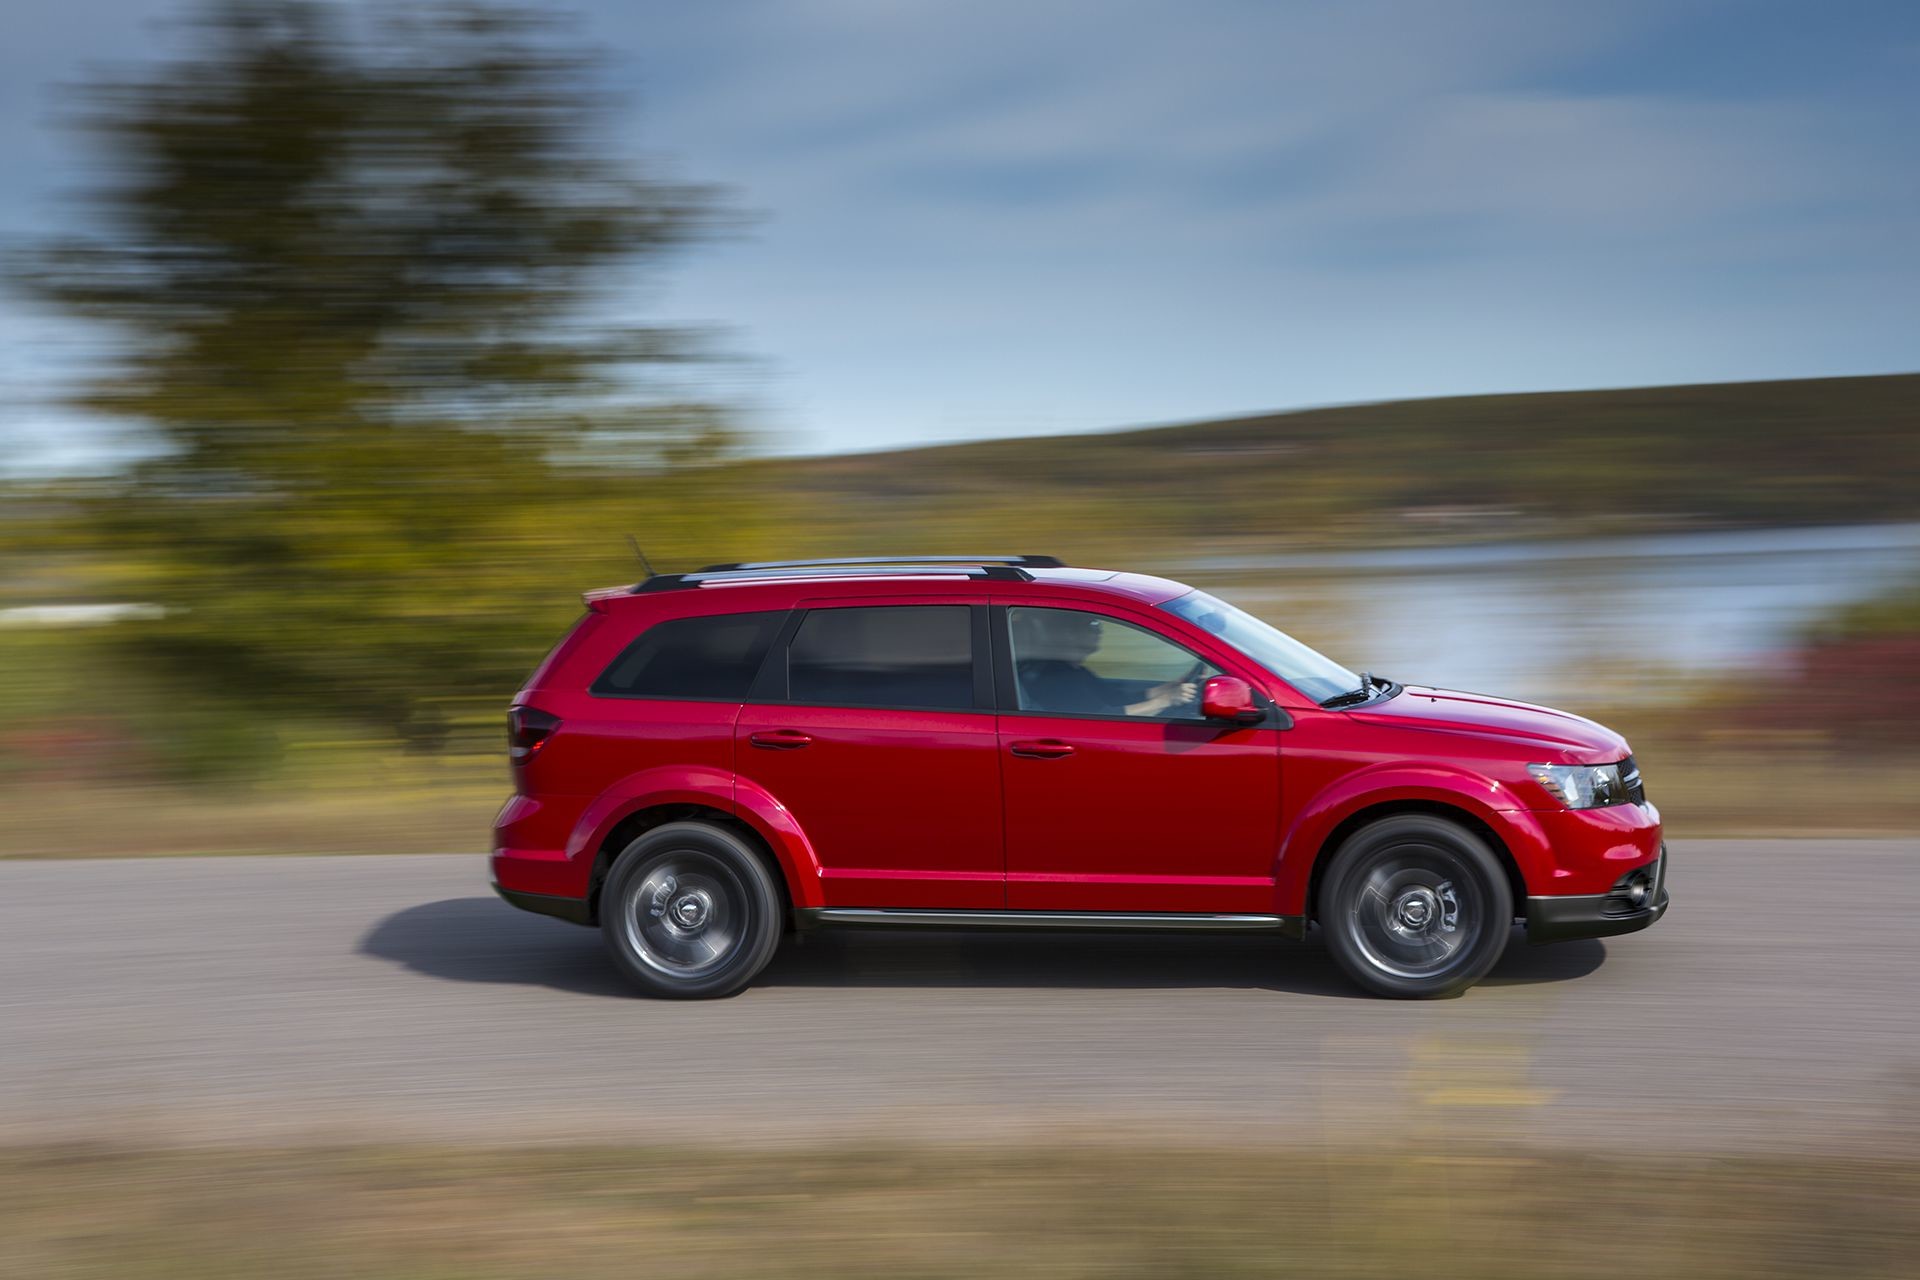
[1119, 796]
[874, 725]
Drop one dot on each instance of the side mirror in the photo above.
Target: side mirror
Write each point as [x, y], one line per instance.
[1230, 698]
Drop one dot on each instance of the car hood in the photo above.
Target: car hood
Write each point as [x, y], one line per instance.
[1418, 707]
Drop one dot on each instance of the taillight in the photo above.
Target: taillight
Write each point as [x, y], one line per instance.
[527, 731]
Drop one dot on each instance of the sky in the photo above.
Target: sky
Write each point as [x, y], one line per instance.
[1014, 217]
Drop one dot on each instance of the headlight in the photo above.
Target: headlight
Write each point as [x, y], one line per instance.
[1582, 786]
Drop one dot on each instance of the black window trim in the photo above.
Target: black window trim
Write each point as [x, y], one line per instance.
[1009, 690]
[771, 687]
[994, 689]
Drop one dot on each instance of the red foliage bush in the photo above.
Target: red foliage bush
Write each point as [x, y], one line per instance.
[1858, 690]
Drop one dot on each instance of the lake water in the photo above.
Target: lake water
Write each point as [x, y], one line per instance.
[1603, 620]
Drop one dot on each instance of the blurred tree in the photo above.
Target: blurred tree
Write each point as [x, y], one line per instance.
[360, 263]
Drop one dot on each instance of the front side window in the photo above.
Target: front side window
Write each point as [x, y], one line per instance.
[1068, 662]
[699, 659]
[909, 656]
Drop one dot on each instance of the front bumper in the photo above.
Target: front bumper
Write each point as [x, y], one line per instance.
[1631, 905]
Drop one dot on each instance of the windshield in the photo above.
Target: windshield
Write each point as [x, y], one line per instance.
[1312, 673]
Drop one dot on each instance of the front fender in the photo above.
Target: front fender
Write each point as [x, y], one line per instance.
[1405, 782]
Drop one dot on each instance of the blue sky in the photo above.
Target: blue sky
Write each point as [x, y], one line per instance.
[1011, 217]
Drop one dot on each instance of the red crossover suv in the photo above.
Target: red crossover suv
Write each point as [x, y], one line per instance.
[712, 758]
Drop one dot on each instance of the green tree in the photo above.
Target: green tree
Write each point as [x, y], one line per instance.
[359, 263]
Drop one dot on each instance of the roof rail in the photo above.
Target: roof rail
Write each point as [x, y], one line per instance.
[1008, 568]
[1027, 562]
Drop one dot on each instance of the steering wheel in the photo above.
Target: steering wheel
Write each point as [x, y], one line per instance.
[1193, 674]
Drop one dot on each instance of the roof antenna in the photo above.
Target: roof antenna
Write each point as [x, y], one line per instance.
[639, 554]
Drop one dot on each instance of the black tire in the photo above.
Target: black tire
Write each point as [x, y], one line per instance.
[1415, 907]
[690, 912]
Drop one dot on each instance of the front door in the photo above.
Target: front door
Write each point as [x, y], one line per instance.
[874, 726]
[1118, 795]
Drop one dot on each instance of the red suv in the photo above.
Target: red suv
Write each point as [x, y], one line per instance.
[712, 758]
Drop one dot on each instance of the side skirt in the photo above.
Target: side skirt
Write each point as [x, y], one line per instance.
[1119, 921]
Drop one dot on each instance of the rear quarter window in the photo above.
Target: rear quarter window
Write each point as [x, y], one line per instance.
[705, 659]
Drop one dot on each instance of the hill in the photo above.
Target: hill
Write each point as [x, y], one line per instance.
[1808, 451]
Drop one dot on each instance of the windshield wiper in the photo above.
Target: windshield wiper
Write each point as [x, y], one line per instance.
[1353, 697]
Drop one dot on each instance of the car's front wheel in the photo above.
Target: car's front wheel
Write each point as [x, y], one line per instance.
[690, 911]
[1415, 907]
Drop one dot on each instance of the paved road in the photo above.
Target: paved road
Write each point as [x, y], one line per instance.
[255, 999]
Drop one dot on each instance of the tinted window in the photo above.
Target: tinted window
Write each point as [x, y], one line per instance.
[712, 658]
[1072, 663]
[899, 656]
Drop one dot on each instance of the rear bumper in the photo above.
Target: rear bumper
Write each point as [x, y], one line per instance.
[573, 910]
[530, 847]
[1602, 915]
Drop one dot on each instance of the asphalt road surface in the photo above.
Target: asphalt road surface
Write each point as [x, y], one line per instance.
[334, 999]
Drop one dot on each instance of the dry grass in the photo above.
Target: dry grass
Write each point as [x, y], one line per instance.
[1737, 787]
[98, 821]
[376, 1213]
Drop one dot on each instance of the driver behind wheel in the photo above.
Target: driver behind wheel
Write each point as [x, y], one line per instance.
[1051, 647]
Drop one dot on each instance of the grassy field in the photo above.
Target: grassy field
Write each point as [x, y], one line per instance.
[409, 1214]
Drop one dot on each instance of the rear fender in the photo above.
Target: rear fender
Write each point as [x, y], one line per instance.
[774, 823]
[709, 788]
[1401, 782]
[648, 789]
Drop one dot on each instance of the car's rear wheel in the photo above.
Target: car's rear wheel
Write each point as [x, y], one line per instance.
[690, 911]
[1415, 907]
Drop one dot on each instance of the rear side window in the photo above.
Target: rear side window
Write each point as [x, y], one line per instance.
[713, 659]
[917, 656]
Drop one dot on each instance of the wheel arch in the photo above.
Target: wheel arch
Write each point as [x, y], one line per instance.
[778, 831]
[1370, 814]
[640, 821]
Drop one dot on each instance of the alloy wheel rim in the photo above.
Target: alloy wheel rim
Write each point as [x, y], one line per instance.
[1417, 912]
[684, 916]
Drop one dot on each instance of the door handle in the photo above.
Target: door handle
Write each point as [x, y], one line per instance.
[779, 739]
[1042, 749]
